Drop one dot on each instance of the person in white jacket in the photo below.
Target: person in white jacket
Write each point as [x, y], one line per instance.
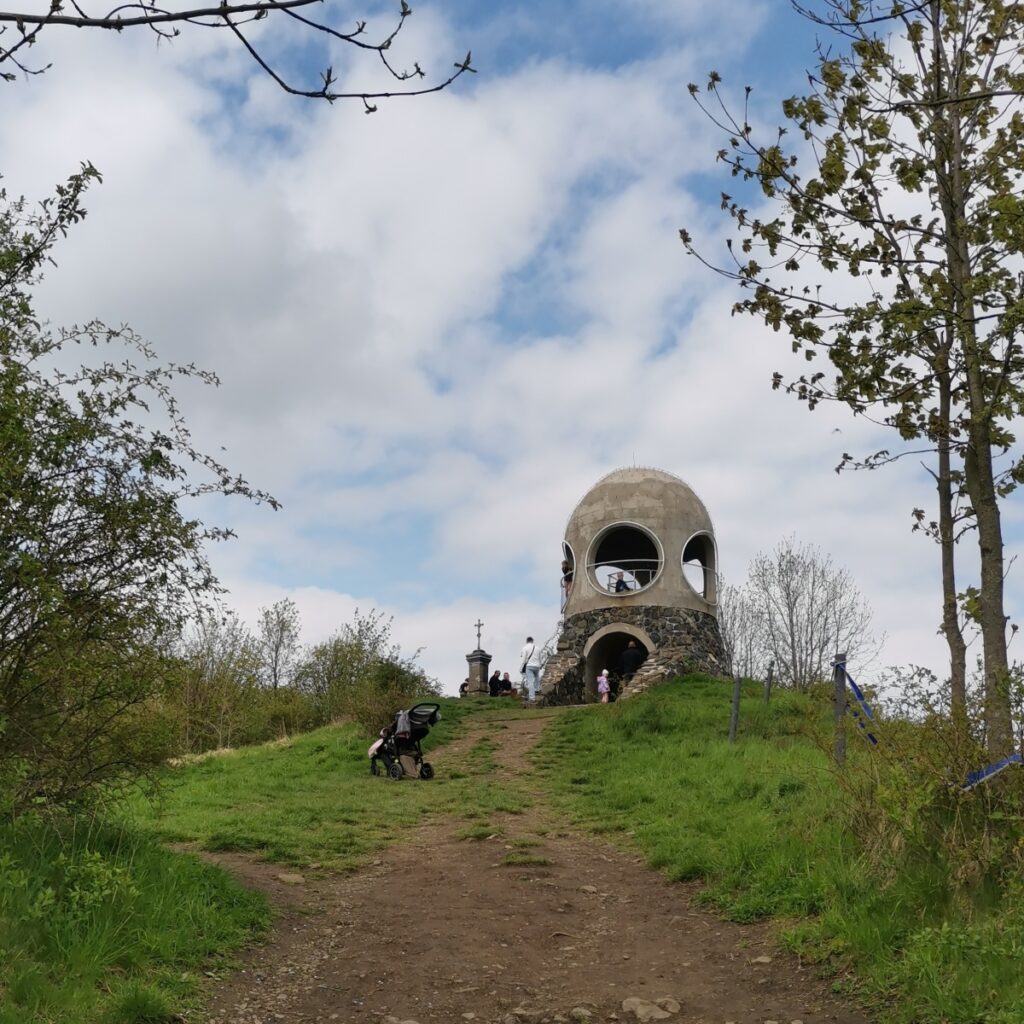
[529, 660]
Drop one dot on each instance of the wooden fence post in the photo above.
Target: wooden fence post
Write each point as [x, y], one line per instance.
[839, 708]
[768, 682]
[735, 717]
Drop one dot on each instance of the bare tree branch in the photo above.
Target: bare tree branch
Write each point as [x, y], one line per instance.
[166, 23]
[149, 16]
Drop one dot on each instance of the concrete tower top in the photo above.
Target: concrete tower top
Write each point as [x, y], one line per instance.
[641, 536]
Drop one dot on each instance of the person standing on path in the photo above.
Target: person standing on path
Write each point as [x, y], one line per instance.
[529, 659]
[603, 686]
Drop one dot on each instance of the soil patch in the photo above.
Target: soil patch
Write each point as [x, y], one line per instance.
[535, 923]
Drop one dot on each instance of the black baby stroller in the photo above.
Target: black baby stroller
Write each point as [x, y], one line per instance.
[399, 743]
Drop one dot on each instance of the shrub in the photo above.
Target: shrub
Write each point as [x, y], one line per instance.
[99, 566]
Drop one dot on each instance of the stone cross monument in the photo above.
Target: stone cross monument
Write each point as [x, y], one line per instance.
[479, 664]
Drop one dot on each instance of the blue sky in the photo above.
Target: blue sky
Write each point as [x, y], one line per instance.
[438, 326]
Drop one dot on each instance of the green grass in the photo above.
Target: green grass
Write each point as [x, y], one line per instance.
[746, 819]
[521, 859]
[764, 826]
[312, 800]
[479, 833]
[101, 925]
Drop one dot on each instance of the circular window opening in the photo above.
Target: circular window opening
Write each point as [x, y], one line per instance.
[625, 559]
[699, 566]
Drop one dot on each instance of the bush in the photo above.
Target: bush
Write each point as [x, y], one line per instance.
[388, 689]
[98, 565]
[274, 714]
[907, 805]
[359, 673]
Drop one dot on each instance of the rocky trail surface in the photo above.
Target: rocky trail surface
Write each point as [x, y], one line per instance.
[537, 923]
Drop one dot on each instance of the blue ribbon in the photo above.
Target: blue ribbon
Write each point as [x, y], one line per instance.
[984, 774]
[972, 780]
[862, 707]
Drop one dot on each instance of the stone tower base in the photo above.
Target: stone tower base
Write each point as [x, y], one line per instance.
[677, 641]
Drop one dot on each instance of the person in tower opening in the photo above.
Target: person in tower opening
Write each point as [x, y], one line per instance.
[621, 586]
[630, 660]
[529, 660]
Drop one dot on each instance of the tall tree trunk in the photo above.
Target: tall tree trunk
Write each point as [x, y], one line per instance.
[991, 614]
[950, 613]
[944, 346]
[978, 457]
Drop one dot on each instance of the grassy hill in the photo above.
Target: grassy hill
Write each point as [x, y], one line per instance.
[860, 870]
[105, 925]
[311, 800]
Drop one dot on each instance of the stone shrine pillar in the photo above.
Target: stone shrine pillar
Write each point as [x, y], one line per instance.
[479, 671]
[479, 664]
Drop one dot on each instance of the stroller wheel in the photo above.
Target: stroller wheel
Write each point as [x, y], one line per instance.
[426, 770]
[395, 771]
[374, 767]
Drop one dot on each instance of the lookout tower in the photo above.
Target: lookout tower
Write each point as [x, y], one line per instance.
[640, 564]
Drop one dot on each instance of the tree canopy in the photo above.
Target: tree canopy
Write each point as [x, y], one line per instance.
[884, 234]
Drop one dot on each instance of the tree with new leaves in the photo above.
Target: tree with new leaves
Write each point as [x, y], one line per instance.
[896, 256]
[361, 672]
[217, 682]
[20, 31]
[100, 566]
[278, 635]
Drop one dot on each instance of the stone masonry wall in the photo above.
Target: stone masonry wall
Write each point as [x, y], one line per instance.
[685, 641]
[563, 681]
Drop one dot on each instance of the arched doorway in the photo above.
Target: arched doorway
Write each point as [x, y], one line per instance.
[604, 650]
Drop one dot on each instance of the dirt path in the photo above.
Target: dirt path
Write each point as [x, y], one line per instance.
[446, 930]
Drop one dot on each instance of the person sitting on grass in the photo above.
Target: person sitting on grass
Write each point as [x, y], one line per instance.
[507, 689]
[494, 684]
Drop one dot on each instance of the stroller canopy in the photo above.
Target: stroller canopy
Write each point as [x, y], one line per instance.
[416, 722]
[425, 714]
